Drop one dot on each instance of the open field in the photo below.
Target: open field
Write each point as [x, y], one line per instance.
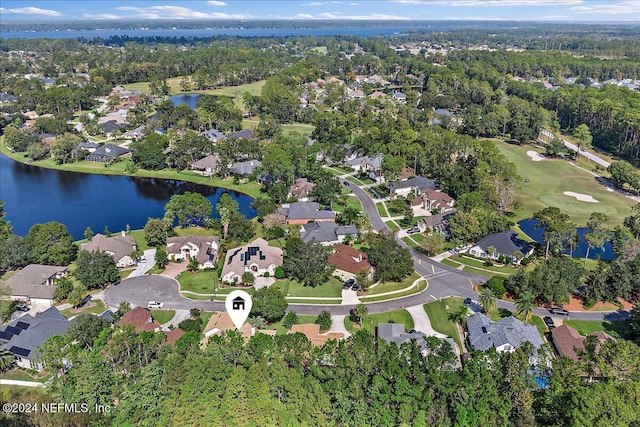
[549, 179]
[331, 289]
[202, 282]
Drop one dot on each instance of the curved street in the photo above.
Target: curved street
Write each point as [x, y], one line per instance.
[443, 281]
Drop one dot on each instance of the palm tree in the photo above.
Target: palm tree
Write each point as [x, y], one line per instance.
[525, 306]
[257, 322]
[6, 359]
[360, 312]
[487, 299]
[459, 316]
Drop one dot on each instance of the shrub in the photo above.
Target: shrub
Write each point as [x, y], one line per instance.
[279, 273]
[525, 261]
[248, 278]
[290, 319]
[496, 284]
[487, 263]
[324, 320]
[266, 274]
[191, 325]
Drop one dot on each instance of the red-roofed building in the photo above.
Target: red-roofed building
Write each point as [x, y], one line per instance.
[173, 335]
[349, 261]
[435, 200]
[140, 318]
[407, 172]
[568, 342]
[312, 332]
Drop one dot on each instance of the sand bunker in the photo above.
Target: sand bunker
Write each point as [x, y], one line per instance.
[581, 197]
[536, 157]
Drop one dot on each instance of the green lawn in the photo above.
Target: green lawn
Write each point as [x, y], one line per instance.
[125, 273]
[410, 242]
[99, 308]
[205, 316]
[291, 288]
[370, 322]
[301, 128]
[19, 374]
[585, 327]
[475, 263]
[392, 225]
[393, 286]
[549, 179]
[202, 282]
[162, 316]
[438, 312]
[351, 201]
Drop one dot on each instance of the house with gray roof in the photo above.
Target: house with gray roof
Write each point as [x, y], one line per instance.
[417, 185]
[372, 165]
[506, 243]
[213, 135]
[23, 336]
[119, 247]
[243, 134]
[304, 212]
[136, 133]
[507, 334]
[7, 97]
[394, 332]
[107, 153]
[256, 257]
[35, 283]
[89, 146]
[207, 166]
[326, 233]
[245, 168]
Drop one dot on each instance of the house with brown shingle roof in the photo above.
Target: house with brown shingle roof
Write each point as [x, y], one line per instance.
[437, 200]
[140, 318]
[568, 342]
[349, 261]
[203, 248]
[221, 322]
[301, 189]
[119, 247]
[35, 283]
[256, 257]
[312, 332]
[173, 335]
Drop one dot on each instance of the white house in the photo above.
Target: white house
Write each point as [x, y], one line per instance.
[256, 257]
[203, 248]
[119, 247]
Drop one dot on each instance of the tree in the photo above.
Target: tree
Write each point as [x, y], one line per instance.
[632, 222]
[309, 264]
[193, 265]
[64, 147]
[191, 325]
[226, 206]
[96, 269]
[391, 261]
[161, 258]
[360, 312]
[63, 288]
[88, 233]
[124, 307]
[363, 279]
[188, 207]
[325, 191]
[324, 320]
[263, 206]
[37, 151]
[465, 226]
[86, 328]
[525, 306]
[583, 138]
[555, 148]
[51, 243]
[597, 236]
[290, 319]
[248, 278]
[149, 152]
[7, 359]
[240, 228]
[156, 232]
[459, 316]
[555, 224]
[269, 303]
[77, 294]
[487, 299]
[14, 253]
[257, 322]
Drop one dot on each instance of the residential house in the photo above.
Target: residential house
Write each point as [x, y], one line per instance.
[304, 212]
[301, 189]
[407, 172]
[207, 166]
[507, 244]
[505, 335]
[395, 332]
[244, 169]
[7, 97]
[417, 185]
[373, 165]
[213, 135]
[107, 153]
[377, 80]
[243, 134]
[89, 146]
[220, 322]
[119, 247]
[326, 233]
[256, 257]
[568, 342]
[436, 224]
[349, 261]
[136, 133]
[399, 97]
[110, 127]
[436, 200]
[23, 336]
[312, 332]
[35, 283]
[141, 319]
[203, 248]
[378, 95]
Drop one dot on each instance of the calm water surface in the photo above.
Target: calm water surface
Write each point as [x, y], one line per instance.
[36, 195]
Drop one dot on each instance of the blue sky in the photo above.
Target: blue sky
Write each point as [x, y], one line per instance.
[534, 10]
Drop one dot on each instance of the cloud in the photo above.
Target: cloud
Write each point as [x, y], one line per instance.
[552, 17]
[317, 3]
[354, 4]
[100, 16]
[490, 3]
[216, 3]
[627, 8]
[340, 15]
[176, 12]
[31, 11]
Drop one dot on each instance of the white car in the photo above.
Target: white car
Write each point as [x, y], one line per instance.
[143, 259]
[155, 304]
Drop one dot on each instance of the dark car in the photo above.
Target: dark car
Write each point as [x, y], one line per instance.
[560, 311]
[346, 183]
[116, 283]
[549, 322]
[467, 301]
[355, 287]
[22, 307]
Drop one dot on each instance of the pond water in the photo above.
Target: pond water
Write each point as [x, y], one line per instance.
[528, 226]
[191, 99]
[36, 195]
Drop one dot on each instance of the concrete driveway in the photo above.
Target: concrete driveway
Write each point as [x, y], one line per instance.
[143, 267]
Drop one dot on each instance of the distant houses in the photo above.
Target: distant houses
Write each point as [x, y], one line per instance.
[506, 244]
[416, 185]
[107, 153]
[34, 284]
[304, 212]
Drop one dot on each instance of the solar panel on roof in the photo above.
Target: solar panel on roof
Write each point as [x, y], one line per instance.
[13, 330]
[19, 351]
[22, 325]
[5, 336]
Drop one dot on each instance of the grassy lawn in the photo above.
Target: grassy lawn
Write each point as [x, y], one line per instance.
[301, 128]
[19, 374]
[7, 275]
[585, 327]
[549, 179]
[97, 309]
[291, 288]
[393, 286]
[302, 318]
[392, 225]
[163, 316]
[370, 322]
[410, 242]
[381, 211]
[205, 316]
[202, 282]
[125, 273]
[351, 201]
[472, 262]
[438, 312]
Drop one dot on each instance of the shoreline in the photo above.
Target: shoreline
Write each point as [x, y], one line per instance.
[251, 189]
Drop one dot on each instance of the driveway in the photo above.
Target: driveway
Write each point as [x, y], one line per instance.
[337, 325]
[421, 321]
[143, 267]
[173, 269]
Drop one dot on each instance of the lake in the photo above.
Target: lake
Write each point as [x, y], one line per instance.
[191, 99]
[36, 195]
[529, 228]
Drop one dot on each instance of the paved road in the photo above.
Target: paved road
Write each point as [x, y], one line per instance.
[574, 147]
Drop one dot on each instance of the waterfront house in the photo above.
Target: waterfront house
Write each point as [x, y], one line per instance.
[35, 283]
[119, 247]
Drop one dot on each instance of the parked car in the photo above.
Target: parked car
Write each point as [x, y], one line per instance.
[467, 301]
[560, 311]
[549, 322]
[84, 301]
[22, 307]
[143, 259]
[346, 183]
[155, 304]
[116, 283]
[413, 230]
